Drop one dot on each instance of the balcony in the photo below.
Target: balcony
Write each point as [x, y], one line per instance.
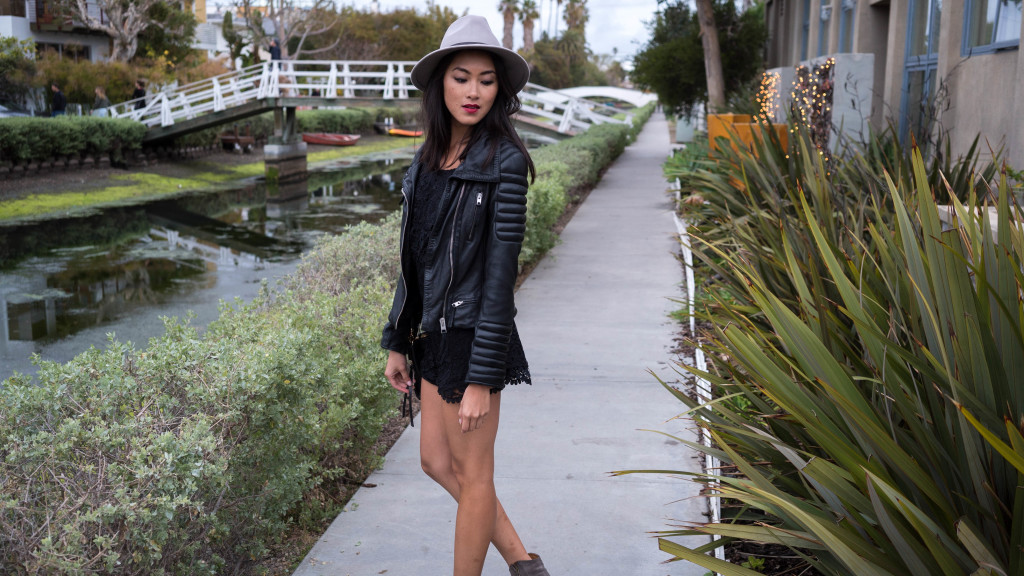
[50, 17]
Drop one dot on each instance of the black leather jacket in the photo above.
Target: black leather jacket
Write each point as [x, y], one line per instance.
[471, 280]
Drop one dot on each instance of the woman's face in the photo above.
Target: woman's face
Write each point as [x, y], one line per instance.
[470, 87]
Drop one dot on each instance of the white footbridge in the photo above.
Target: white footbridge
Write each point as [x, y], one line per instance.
[284, 85]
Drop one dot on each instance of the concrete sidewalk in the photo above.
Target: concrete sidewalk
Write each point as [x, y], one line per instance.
[593, 317]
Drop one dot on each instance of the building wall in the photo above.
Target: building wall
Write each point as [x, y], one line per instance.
[980, 89]
[871, 35]
[15, 26]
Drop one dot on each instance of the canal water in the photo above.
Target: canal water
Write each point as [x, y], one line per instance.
[74, 282]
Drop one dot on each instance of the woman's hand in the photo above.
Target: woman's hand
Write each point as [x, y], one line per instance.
[474, 406]
[397, 372]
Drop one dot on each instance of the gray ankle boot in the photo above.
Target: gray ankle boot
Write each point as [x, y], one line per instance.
[532, 567]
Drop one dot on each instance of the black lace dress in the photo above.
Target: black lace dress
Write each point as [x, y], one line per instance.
[443, 358]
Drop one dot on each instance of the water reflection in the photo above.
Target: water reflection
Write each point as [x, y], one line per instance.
[173, 253]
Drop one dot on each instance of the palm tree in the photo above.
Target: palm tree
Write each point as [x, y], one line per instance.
[508, 9]
[528, 14]
[576, 14]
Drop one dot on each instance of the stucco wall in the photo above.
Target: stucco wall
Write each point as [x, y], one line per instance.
[981, 101]
[15, 26]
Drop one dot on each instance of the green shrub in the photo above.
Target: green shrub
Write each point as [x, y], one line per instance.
[546, 200]
[640, 117]
[347, 121]
[199, 451]
[34, 139]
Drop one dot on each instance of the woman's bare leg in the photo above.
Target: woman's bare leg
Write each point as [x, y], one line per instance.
[436, 459]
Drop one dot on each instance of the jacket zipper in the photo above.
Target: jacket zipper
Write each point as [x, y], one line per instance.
[472, 225]
[451, 259]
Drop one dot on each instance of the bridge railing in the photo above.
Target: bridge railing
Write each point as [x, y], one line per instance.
[568, 113]
[332, 79]
[327, 79]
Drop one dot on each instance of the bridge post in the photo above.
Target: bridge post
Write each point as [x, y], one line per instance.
[284, 159]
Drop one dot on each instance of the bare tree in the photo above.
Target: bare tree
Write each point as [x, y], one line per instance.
[712, 56]
[508, 10]
[122, 20]
[292, 23]
[528, 14]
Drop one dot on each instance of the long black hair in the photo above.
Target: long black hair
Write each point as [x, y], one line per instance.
[497, 124]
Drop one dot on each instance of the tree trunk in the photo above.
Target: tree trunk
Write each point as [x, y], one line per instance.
[712, 56]
[510, 21]
[527, 36]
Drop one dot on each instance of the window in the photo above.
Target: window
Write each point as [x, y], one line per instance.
[846, 25]
[826, 23]
[990, 25]
[12, 8]
[71, 51]
[807, 30]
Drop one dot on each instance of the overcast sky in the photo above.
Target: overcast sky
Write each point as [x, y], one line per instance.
[613, 23]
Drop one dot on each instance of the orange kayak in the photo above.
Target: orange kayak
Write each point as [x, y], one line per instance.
[403, 132]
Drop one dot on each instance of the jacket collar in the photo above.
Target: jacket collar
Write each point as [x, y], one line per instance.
[476, 167]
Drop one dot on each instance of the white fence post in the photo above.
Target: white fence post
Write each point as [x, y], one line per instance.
[166, 119]
[332, 81]
[347, 77]
[218, 97]
[389, 82]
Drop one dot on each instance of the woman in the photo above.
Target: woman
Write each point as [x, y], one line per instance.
[463, 222]
[101, 103]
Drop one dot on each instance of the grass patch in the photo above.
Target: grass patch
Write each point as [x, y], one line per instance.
[137, 187]
[361, 149]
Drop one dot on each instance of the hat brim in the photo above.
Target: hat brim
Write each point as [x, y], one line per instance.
[515, 65]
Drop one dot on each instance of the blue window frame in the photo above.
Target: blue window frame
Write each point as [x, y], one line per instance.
[920, 72]
[991, 25]
[846, 16]
[823, 30]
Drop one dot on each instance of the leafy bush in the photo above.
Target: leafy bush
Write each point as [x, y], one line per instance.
[78, 77]
[546, 200]
[347, 121]
[198, 451]
[34, 139]
[877, 354]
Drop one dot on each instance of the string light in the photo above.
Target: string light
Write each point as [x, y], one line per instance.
[768, 97]
[812, 102]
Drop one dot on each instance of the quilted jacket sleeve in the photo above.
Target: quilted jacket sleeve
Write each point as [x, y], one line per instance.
[504, 241]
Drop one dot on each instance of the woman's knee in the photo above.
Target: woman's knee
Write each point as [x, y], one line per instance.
[437, 466]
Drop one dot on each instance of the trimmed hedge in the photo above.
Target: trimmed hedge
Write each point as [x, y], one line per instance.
[24, 140]
[195, 453]
[39, 139]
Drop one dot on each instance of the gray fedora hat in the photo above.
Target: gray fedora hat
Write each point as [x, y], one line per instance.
[472, 33]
